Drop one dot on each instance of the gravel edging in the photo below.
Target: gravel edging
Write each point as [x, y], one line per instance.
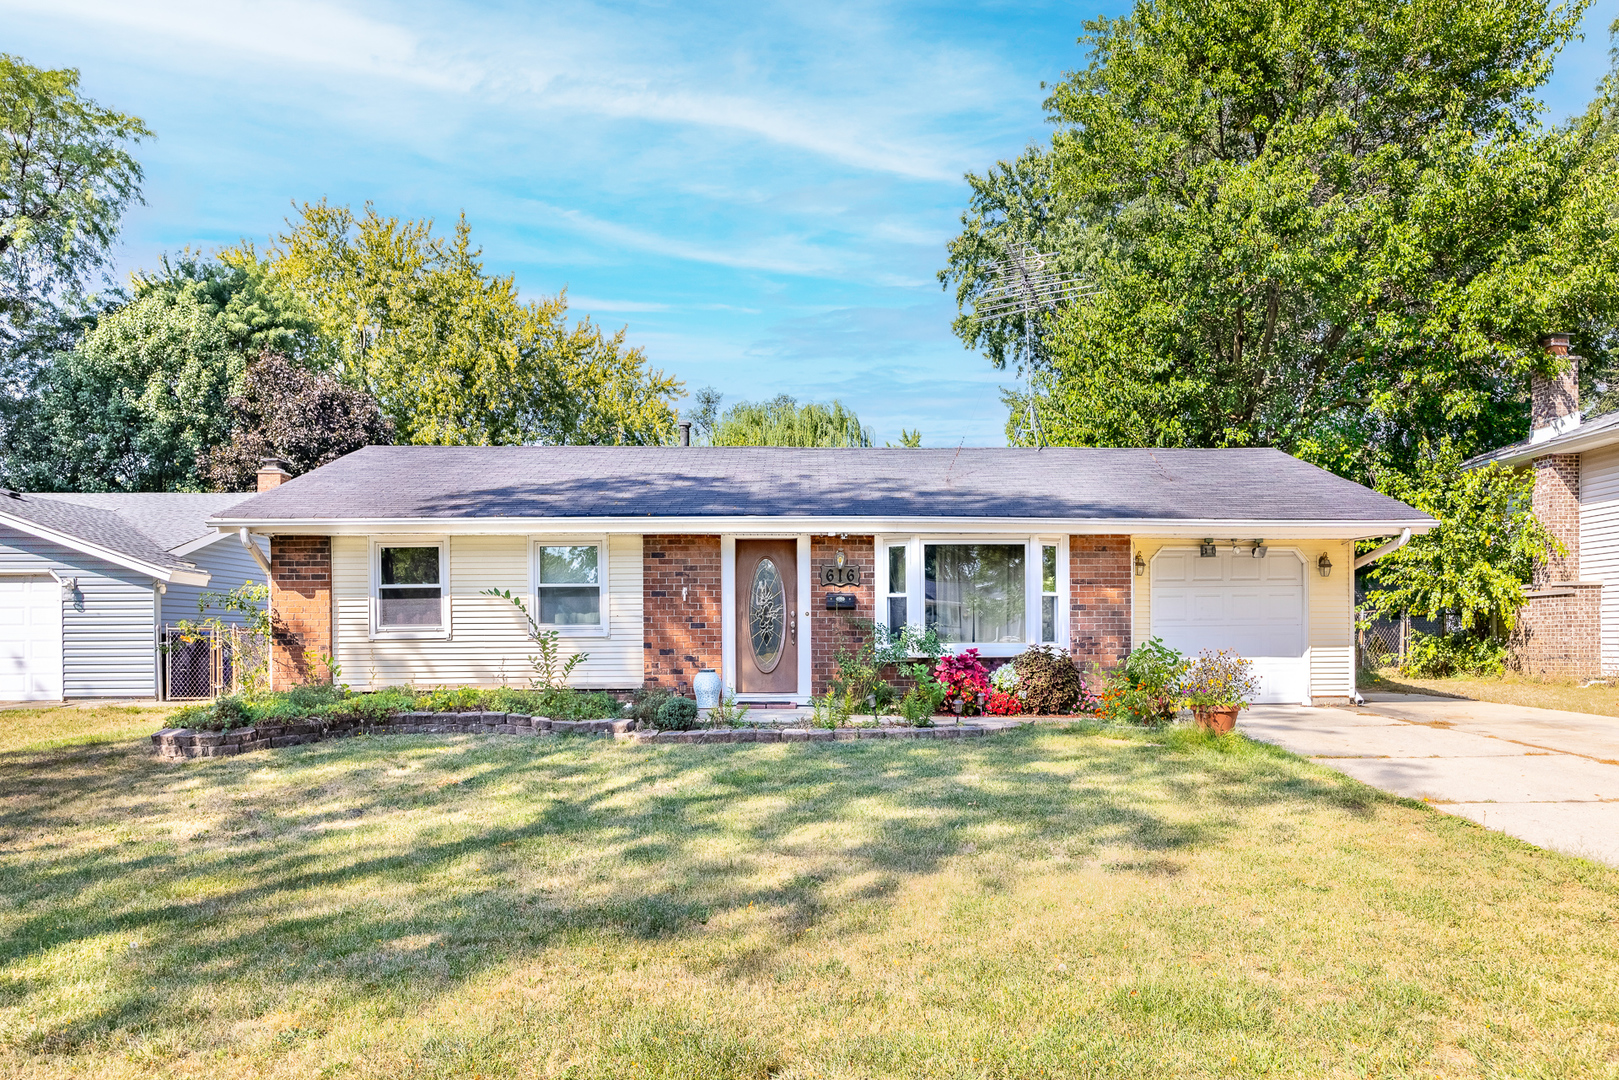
[184, 744]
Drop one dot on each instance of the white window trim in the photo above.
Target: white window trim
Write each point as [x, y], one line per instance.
[599, 542]
[388, 633]
[915, 586]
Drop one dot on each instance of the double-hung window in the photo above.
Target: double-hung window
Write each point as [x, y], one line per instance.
[410, 589]
[570, 582]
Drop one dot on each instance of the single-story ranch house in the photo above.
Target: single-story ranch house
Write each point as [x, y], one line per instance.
[761, 563]
[88, 581]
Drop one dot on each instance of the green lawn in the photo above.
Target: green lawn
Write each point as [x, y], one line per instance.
[1601, 698]
[1056, 902]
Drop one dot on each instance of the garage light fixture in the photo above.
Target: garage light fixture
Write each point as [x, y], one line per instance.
[1323, 565]
[1260, 550]
[1206, 549]
[1141, 565]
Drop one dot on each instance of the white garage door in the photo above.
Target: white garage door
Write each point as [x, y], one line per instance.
[1254, 607]
[30, 639]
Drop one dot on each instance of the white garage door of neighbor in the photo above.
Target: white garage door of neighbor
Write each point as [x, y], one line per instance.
[1254, 607]
[30, 639]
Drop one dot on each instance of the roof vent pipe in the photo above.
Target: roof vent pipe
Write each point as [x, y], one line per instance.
[685, 433]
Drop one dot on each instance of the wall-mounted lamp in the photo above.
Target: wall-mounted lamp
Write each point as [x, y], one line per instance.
[1323, 565]
[1260, 550]
[70, 585]
[1141, 565]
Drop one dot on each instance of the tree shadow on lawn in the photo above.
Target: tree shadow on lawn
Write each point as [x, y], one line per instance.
[413, 863]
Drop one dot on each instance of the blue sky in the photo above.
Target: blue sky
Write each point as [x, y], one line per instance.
[761, 192]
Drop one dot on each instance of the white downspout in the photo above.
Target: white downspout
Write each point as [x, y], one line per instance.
[258, 556]
[1372, 555]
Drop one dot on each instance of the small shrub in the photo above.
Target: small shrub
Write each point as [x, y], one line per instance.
[230, 712]
[645, 704]
[677, 714]
[1004, 678]
[965, 681]
[917, 707]
[1048, 682]
[1446, 656]
[191, 716]
[1154, 666]
[1003, 704]
[1123, 702]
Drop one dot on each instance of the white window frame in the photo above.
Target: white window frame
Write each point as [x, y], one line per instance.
[599, 542]
[915, 586]
[393, 633]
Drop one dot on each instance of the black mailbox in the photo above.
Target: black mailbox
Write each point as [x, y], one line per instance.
[840, 601]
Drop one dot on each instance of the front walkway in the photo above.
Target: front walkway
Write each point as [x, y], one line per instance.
[1550, 778]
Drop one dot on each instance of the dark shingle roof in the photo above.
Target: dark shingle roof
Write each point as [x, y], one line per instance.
[445, 482]
[144, 526]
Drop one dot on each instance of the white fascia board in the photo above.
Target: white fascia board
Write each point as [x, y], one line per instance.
[824, 526]
[1575, 442]
[173, 574]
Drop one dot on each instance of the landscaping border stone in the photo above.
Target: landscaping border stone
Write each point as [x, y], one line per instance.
[184, 744]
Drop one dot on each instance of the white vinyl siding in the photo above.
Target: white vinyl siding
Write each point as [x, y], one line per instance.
[109, 629]
[1329, 619]
[488, 644]
[229, 565]
[1599, 541]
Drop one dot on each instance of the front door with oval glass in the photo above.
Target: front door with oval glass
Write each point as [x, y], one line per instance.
[766, 622]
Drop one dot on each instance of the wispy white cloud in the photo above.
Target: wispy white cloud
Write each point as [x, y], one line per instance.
[576, 66]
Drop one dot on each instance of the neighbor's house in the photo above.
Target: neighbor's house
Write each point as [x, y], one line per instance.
[1570, 622]
[762, 562]
[87, 583]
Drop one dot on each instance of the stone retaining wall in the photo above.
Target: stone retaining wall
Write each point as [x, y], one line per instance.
[182, 744]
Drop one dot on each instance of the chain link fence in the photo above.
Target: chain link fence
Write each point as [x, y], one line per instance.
[201, 663]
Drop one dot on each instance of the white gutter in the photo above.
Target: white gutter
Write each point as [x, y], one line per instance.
[253, 549]
[798, 524]
[1384, 549]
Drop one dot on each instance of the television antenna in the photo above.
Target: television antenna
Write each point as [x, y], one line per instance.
[1027, 282]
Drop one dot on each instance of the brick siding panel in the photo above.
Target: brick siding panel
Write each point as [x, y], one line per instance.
[681, 597]
[1099, 572]
[300, 607]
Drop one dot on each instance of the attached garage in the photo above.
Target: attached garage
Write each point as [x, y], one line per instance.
[1256, 607]
[30, 638]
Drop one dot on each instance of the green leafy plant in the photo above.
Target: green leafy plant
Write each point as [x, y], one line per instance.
[728, 713]
[646, 702]
[677, 714]
[1445, 656]
[1046, 681]
[1218, 680]
[315, 658]
[550, 669]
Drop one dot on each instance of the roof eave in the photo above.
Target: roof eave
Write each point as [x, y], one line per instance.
[173, 575]
[1303, 528]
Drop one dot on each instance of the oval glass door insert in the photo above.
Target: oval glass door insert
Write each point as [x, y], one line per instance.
[767, 615]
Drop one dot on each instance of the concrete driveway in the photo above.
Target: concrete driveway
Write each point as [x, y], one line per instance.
[1548, 777]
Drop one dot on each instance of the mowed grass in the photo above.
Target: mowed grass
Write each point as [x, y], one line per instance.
[1509, 689]
[1058, 902]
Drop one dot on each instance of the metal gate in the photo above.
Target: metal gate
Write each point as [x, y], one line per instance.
[201, 662]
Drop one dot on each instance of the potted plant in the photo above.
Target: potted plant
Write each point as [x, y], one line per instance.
[1216, 687]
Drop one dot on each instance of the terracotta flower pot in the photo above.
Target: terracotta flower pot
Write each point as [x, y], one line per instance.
[1219, 721]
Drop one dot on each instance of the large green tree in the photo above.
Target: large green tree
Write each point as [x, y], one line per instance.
[781, 421]
[1336, 226]
[453, 354]
[133, 404]
[66, 175]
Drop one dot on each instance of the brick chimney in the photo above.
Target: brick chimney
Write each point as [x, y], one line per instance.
[1554, 401]
[273, 472]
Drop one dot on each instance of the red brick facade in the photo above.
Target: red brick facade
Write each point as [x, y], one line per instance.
[681, 597]
[1559, 631]
[834, 630]
[1099, 600]
[1557, 506]
[1559, 628]
[300, 608]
